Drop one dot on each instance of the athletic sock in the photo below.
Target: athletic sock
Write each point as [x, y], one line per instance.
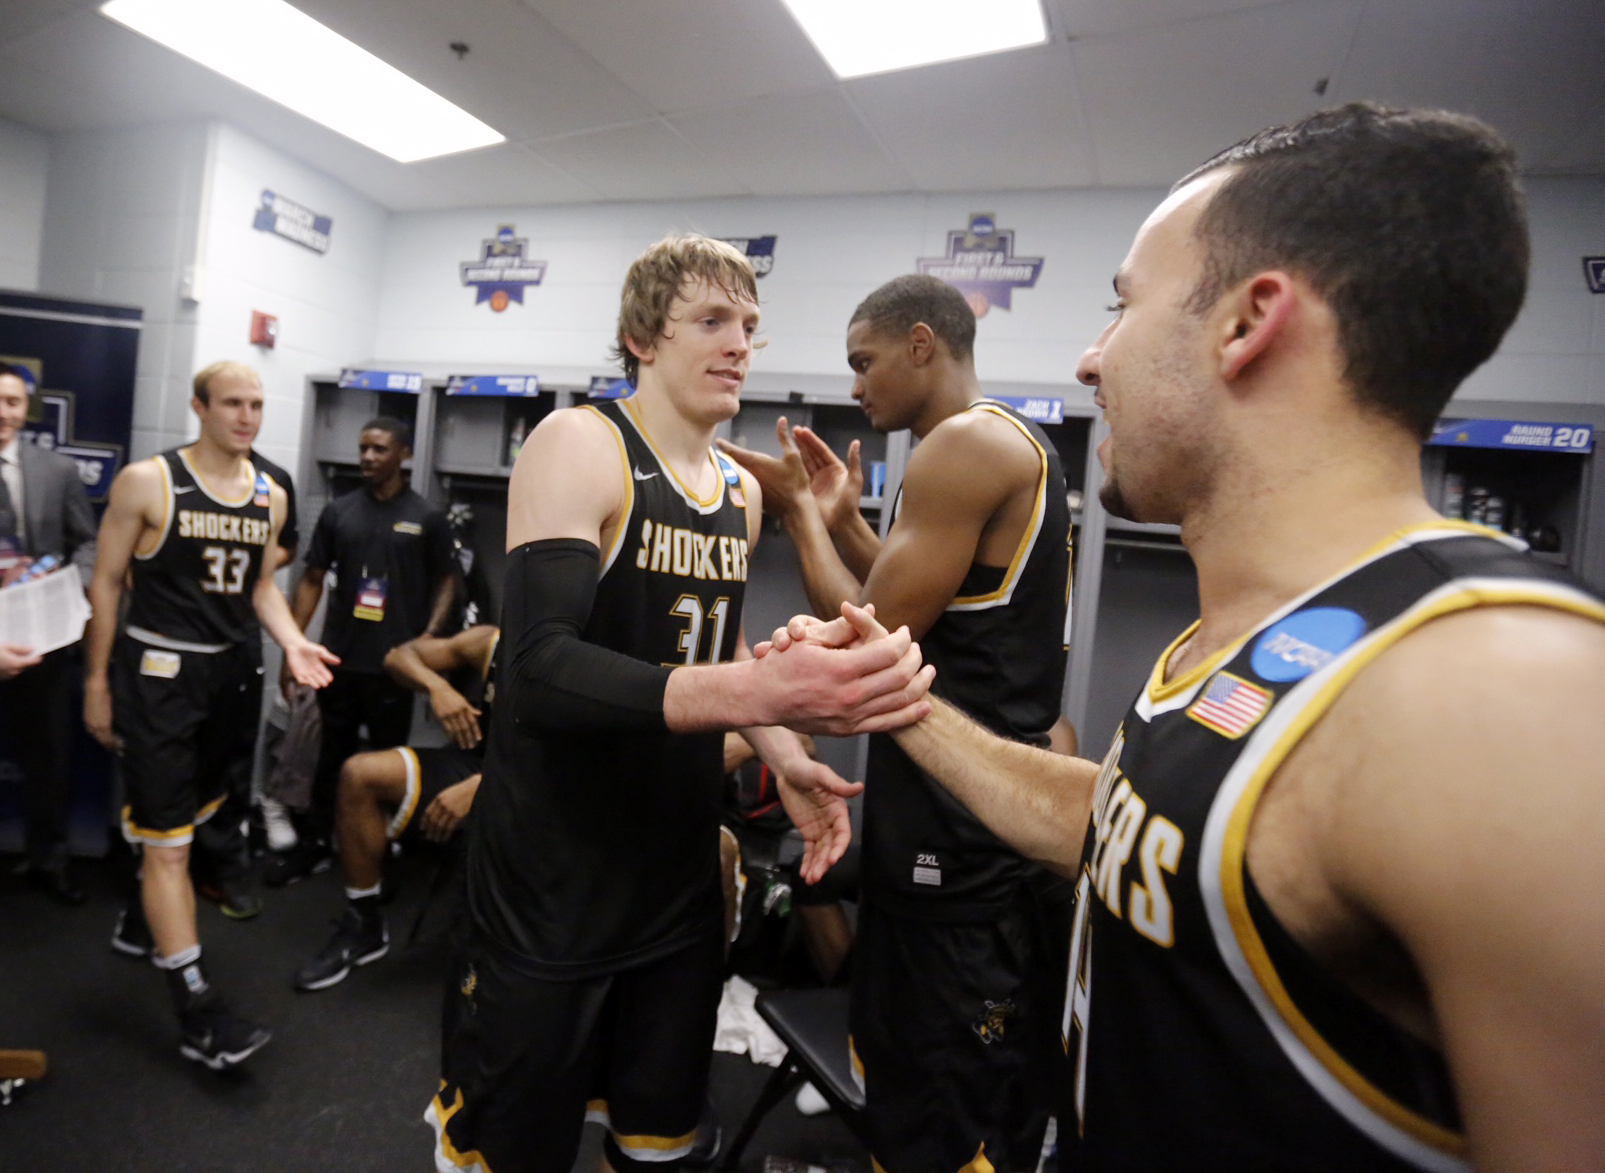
[365, 903]
[186, 979]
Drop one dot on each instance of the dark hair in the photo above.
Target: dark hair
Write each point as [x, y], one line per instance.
[21, 374]
[903, 302]
[399, 432]
[1410, 223]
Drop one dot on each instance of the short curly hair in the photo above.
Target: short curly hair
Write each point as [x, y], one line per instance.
[660, 274]
[903, 302]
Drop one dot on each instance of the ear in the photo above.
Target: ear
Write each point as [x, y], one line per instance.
[921, 344]
[643, 354]
[197, 406]
[1258, 313]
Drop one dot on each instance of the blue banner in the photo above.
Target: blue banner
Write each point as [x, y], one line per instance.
[1526, 435]
[286, 218]
[760, 250]
[409, 381]
[503, 269]
[503, 385]
[1594, 271]
[980, 263]
[1042, 409]
[610, 387]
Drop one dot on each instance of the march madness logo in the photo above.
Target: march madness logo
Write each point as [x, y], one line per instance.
[981, 264]
[760, 250]
[502, 270]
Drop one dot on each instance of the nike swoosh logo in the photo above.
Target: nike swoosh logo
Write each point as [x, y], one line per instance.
[644, 476]
[183, 489]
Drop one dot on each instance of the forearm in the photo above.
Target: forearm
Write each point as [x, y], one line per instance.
[777, 746]
[826, 579]
[104, 597]
[308, 590]
[445, 595]
[857, 543]
[1036, 801]
[407, 668]
[274, 613]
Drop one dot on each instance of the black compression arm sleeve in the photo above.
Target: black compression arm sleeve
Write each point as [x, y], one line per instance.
[557, 682]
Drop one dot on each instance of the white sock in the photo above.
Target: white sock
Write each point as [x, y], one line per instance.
[364, 893]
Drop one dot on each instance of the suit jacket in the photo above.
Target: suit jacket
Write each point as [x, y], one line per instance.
[58, 519]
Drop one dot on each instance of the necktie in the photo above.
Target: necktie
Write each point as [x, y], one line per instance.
[8, 512]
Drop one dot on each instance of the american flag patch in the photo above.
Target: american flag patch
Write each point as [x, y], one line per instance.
[1230, 705]
[261, 501]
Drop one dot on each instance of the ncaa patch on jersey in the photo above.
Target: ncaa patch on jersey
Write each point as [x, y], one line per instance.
[1231, 706]
[1305, 642]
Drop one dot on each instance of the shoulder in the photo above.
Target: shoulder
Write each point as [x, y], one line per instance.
[573, 441]
[46, 459]
[140, 475]
[1438, 742]
[989, 436]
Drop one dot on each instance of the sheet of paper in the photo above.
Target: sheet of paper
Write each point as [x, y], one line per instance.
[45, 614]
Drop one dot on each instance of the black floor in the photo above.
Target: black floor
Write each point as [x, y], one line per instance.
[343, 1084]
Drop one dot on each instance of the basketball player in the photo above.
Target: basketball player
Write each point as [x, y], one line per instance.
[1338, 893]
[960, 951]
[592, 977]
[192, 528]
[386, 794]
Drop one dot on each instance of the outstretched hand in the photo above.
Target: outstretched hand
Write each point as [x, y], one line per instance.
[854, 627]
[815, 796]
[836, 486]
[308, 663]
[783, 478]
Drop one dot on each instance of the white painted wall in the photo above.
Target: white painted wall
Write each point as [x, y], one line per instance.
[121, 215]
[326, 303]
[24, 169]
[1556, 350]
[832, 251]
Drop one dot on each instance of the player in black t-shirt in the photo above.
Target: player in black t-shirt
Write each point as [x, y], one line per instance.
[591, 979]
[961, 943]
[388, 793]
[391, 553]
[193, 529]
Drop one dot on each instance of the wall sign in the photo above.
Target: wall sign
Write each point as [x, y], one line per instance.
[1534, 437]
[502, 385]
[503, 269]
[1042, 409]
[609, 387]
[1594, 270]
[760, 250]
[409, 381]
[981, 264]
[286, 218]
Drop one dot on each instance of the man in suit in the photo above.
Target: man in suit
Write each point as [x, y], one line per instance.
[43, 510]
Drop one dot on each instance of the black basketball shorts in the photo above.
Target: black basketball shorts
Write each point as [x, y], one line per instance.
[188, 722]
[955, 1036]
[526, 1061]
[429, 771]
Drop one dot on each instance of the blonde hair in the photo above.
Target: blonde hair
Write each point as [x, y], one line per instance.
[661, 273]
[203, 377]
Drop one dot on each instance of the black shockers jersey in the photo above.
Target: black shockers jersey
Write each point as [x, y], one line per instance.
[595, 852]
[1199, 1033]
[999, 651]
[195, 586]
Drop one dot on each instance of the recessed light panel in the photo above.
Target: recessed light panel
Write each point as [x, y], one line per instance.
[858, 37]
[283, 54]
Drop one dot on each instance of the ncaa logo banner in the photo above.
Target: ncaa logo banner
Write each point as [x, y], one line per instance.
[760, 250]
[502, 270]
[980, 263]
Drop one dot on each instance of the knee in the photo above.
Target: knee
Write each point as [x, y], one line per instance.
[167, 859]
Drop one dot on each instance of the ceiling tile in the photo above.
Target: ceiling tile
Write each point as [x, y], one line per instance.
[509, 174]
[1082, 18]
[807, 143]
[959, 125]
[1532, 70]
[643, 161]
[1162, 101]
[521, 74]
[690, 54]
[22, 18]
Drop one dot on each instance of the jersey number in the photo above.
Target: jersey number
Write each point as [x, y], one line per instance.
[689, 608]
[227, 569]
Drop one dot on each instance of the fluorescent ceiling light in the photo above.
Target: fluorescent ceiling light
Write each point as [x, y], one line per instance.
[282, 53]
[857, 37]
